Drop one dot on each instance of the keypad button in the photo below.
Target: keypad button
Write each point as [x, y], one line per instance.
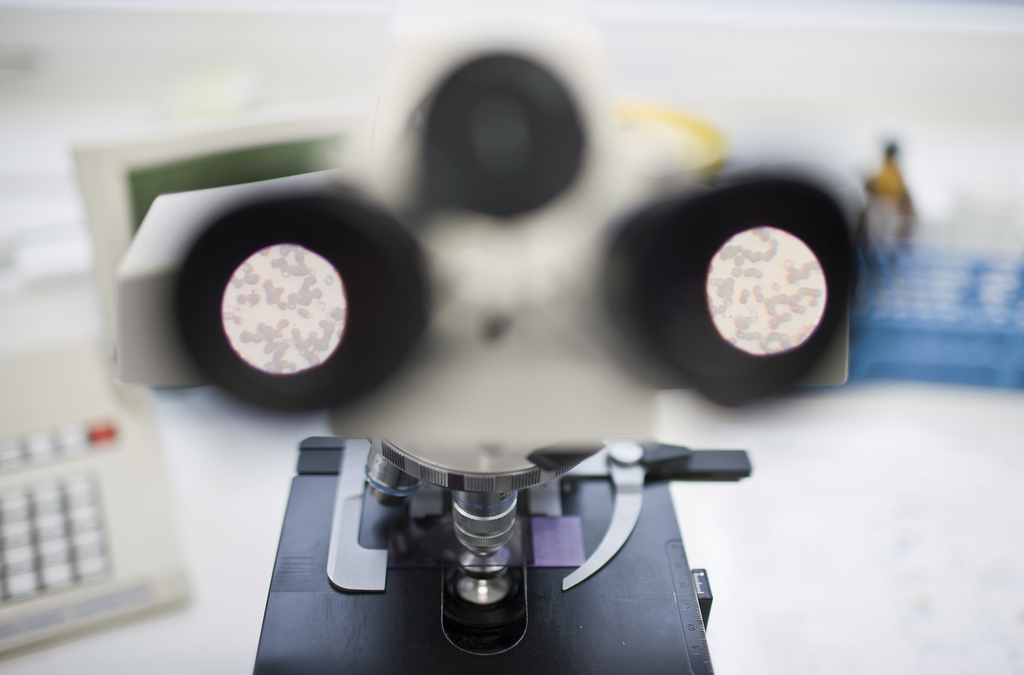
[47, 500]
[14, 506]
[84, 518]
[80, 492]
[51, 526]
[91, 568]
[73, 439]
[17, 533]
[12, 454]
[21, 585]
[41, 447]
[18, 559]
[88, 544]
[57, 576]
[54, 551]
[102, 432]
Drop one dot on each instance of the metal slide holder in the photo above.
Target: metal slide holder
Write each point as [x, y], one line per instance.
[629, 465]
[350, 567]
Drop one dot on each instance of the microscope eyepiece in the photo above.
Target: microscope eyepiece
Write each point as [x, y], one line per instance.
[736, 291]
[302, 301]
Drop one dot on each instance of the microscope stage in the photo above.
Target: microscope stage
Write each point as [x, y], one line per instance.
[638, 612]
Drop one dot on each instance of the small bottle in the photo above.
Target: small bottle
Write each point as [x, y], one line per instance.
[888, 220]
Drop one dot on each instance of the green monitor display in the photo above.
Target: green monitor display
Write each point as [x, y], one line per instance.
[233, 167]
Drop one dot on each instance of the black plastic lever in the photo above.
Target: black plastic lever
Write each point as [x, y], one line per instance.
[656, 454]
[673, 462]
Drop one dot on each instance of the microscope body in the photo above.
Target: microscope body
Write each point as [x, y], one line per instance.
[513, 292]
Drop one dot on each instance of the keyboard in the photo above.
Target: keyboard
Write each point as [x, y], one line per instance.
[86, 529]
[51, 538]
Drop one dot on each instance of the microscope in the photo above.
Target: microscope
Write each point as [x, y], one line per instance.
[487, 298]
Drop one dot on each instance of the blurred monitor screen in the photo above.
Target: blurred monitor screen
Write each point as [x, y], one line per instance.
[244, 165]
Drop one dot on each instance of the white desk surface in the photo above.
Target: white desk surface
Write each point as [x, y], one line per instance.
[882, 531]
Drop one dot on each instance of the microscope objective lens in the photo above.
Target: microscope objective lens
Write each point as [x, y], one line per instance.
[389, 485]
[484, 521]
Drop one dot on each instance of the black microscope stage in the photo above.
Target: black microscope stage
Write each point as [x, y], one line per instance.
[639, 612]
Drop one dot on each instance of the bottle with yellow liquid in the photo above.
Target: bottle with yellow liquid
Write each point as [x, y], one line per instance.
[888, 220]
